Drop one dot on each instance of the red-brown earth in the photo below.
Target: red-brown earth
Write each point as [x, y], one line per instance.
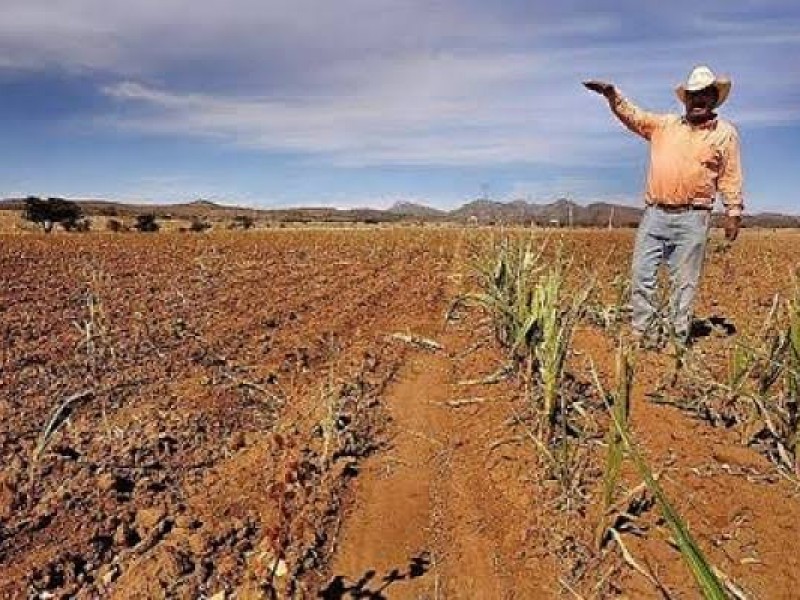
[251, 425]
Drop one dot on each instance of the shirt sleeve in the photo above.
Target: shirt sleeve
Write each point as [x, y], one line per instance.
[639, 121]
[730, 178]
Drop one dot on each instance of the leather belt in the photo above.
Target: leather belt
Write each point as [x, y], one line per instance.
[680, 208]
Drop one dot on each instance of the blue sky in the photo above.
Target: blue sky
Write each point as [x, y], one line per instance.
[367, 102]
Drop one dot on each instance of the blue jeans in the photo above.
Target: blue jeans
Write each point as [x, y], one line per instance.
[679, 240]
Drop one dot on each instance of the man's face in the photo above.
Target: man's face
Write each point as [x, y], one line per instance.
[700, 104]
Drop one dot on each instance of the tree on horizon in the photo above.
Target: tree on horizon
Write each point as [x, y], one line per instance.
[51, 211]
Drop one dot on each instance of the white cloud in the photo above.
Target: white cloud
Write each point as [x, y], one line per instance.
[419, 110]
[368, 82]
[448, 109]
[150, 37]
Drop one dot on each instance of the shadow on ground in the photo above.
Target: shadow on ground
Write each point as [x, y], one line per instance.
[713, 325]
[372, 587]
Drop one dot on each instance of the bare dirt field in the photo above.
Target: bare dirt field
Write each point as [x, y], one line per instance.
[264, 415]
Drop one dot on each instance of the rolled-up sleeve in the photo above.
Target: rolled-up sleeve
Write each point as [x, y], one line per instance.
[730, 179]
[639, 121]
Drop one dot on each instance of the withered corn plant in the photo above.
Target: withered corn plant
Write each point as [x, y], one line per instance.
[97, 349]
[759, 395]
[619, 402]
[610, 316]
[505, 275]
[767, 394]
[554, 314]
[534, 314]
[793, 380]
[622, 443]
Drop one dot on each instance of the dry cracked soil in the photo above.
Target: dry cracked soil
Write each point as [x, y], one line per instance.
[266, 415]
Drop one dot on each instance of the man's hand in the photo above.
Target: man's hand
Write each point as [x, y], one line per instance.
[600, 87]
[732, 225]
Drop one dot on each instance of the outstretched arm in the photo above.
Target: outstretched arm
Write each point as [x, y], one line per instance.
[639, 121]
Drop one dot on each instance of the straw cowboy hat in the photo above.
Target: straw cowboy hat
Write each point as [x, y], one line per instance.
[702, 77]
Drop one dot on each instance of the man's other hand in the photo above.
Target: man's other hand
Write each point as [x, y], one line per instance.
[732, 225]
[600, 87]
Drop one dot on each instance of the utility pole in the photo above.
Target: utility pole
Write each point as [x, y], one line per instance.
[611, 218]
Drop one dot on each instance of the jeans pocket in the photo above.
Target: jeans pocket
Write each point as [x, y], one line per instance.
[647, 214]
[699, 218]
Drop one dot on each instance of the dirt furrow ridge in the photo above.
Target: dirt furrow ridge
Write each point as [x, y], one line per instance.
[428, 520]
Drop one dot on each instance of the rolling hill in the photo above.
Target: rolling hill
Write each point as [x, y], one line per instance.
[561, 212]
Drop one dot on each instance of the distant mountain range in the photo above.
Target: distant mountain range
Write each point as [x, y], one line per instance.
[562, 212]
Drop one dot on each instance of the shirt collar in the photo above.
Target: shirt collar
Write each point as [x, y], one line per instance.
[710, 124]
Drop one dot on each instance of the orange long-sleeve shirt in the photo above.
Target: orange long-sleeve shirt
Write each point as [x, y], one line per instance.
[689, 164]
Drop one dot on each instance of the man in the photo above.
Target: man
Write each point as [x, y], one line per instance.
[692, 157]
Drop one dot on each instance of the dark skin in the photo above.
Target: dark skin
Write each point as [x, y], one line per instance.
[700, 105]
[699, 109]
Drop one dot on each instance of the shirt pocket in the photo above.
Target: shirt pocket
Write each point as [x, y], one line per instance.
[709, 156]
